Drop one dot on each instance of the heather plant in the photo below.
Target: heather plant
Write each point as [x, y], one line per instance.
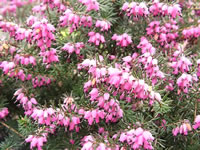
[99, 74]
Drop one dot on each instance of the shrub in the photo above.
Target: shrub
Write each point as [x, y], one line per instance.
[99, 74]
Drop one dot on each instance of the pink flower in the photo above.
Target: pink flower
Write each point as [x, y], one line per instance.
[198, 68]
[123, 137]
[87, 143]
[151, 67]
[101, 130]
[29, 139]
[122, 40]
[125, 6]
[101, 146]
[184, 82]
[135, 10]
[104, 25]
[96, 38]
[127, 59]
[31, 20]
[175, 131]
[36, 141]
[74, 21]
[49, 56]
[7, 66]
[183, 129]
[197, 122]
[94, 94]
[43, 34]
[3, 113]
[90, 4]
[162, 9]
[146, 46]
[70, 48]
[106, 96]
[72, 141]
[137, 138]
[55, 4]
[32, 60]
[182, 65]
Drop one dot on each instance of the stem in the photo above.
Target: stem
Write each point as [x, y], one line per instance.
[10, 128]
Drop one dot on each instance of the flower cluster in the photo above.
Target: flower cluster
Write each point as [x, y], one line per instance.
[22, 34]
[10, 7]
[120, 80]
[198, 68]
[54, 4]
[7, 66]
[10, 69]
[183, 64]
[31, 20]
[9, 27]
[90, 143]
[165, 35]
[151, 67]
[197, 122]
[161, 9]
[137, 139]
[122, 40]
[96, 38]
[27, 103]
[135, 9]
[40, 81]
[37, 141]
[94, 115]
[156, 9]
[43, 34]
[104, 25]
[73, 47]
[74, 21]
[49, 116]
[3, 113]
[49, 56]
[90, 4]
[146, 46]
[111, 109]
[150, 64]
[193, 32]
[183, 129]
[40, 9]
[43, 116]
[185, 82]
[25, 60]
[19, 74]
